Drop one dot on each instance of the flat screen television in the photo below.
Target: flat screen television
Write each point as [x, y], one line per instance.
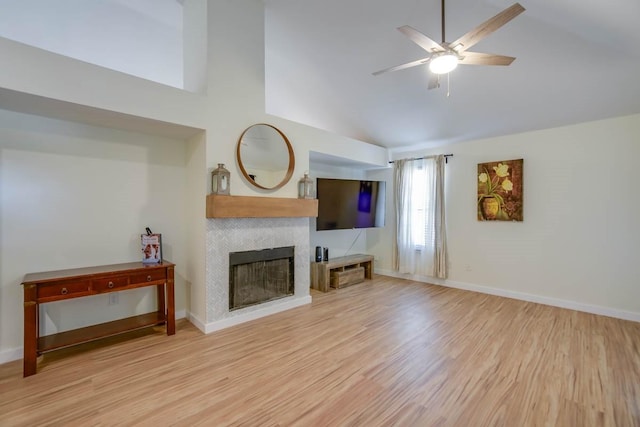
[350, 203]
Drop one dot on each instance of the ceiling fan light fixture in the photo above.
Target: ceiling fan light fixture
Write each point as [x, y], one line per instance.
[443, 64]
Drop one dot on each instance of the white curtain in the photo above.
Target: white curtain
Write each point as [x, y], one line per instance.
[420, 217]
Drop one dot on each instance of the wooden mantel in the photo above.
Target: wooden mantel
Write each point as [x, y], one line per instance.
[259, 207]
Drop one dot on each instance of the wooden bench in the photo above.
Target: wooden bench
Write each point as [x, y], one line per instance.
[340, 272]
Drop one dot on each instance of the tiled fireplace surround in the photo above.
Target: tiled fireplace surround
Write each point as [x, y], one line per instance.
[225, 235]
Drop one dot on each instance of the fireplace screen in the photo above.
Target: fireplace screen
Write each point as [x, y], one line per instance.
[260, 276]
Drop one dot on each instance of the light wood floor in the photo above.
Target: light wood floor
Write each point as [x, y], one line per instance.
[381, 353]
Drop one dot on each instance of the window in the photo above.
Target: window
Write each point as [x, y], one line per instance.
[420, 221]
[422, 230]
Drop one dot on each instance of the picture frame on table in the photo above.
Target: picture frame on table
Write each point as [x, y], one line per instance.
[151, 248]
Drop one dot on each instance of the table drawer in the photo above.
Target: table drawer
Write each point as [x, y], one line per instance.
[149, 276]
[63, 289]
[109, 283]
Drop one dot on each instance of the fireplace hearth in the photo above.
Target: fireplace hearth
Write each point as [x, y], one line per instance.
[259, 276]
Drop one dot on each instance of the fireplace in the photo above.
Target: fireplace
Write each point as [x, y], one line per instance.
[228, 235]
[259, 276]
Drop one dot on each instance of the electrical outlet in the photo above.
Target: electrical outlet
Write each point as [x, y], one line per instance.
[113, 298]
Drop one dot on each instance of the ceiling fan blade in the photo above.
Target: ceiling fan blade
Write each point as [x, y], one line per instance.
[477, 58]
[420, 39]
[404, 66]
[486, 28]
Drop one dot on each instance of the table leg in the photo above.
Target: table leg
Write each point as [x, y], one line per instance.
[30, 358]
[171, 309]
[161, 301]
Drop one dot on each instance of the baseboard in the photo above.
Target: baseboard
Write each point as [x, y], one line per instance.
[195, 321]
[253, 315]
[523, 296]
[414, 277]
[10, 355]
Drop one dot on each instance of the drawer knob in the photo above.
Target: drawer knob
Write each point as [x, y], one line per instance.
[64, 291]
[110, 285]
[148, 278]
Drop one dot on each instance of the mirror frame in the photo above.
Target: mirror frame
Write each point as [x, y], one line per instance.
[292, 160]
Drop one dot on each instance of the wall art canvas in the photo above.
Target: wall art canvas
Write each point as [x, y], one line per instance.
[500, 190]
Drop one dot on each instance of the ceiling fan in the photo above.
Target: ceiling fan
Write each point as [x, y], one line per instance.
[444, 57]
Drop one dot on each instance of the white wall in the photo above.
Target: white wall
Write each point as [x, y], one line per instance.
[194, 42]
[237, 100]
[380, 241]
[195, 260]
[577, 246]
[74, 195]
[60, 87]
[142, 38]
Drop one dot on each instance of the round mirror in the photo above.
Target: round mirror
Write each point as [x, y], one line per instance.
[265, 156]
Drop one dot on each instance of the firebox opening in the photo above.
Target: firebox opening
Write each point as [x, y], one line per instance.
[259, 276]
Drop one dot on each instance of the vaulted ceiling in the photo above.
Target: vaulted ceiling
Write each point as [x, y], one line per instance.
[577, 60]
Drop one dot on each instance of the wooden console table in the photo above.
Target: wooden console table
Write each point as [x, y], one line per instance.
[340, 272]
[40, 288]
